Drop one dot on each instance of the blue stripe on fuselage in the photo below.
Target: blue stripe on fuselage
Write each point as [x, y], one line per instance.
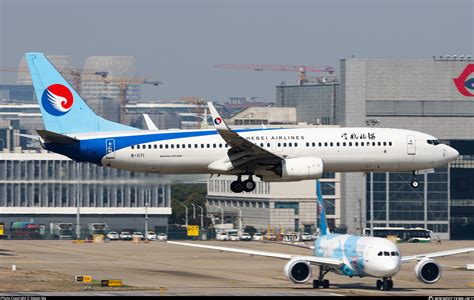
[93, 150]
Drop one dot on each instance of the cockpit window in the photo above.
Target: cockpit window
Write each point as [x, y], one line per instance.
[380, 253]
[433, 142]
[386, 253]
[394, 253]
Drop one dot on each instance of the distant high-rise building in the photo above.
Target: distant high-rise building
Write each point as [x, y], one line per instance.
[114, 84]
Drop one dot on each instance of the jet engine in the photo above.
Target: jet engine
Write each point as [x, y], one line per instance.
[428, 271]
[298, 271]
[300, 168]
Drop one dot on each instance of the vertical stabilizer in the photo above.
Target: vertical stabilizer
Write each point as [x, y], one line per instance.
[323, 225]
[62, 109]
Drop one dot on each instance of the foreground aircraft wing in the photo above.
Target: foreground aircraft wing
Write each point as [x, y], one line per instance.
[242, 151]
[314, 260]
[436, 254]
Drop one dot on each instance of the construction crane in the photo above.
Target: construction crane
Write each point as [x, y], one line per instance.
[281, 68]
[123, 85]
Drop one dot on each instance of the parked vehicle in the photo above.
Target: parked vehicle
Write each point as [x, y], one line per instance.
[138, 234]
[97, 228]
[162, 237]
[222, 236]
[62, 231]
[125, 235]
[25, 230]
[245, 237]
[270, 237]
[306, 237]
[234, 237]
[151, 235]
[113, 236]
[257, 236]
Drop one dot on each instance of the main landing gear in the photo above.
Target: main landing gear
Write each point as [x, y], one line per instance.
[385, 285]
[239, 186]
[414, 182]
[321, 282]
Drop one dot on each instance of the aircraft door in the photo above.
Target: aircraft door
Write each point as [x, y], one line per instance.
[411, 145]
[110, 148]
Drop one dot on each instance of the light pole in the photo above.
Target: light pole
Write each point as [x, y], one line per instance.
[202, 217]
[146, 219]
[240, 217]
[186, 208]
[222, 213]
[194, 211]
[371, 204]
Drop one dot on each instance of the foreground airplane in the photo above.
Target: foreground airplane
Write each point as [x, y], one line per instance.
[272, 154]
[349, 255]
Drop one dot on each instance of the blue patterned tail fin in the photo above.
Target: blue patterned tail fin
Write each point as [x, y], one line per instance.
[62, 109]
[323, 225]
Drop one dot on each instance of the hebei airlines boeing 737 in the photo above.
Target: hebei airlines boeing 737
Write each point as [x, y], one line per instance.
[272, 154]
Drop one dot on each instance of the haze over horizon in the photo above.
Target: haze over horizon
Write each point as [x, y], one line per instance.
[179, 42]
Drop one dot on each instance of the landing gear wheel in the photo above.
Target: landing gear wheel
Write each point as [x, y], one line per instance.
[386, 284]
[390, 284]
[249, 185]
[415, 183]
[316, 284]
[379, 284]
[326, 284]
[237, 186]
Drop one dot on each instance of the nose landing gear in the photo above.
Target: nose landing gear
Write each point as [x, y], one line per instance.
[384, 285]
[414, 182]
[239, 186]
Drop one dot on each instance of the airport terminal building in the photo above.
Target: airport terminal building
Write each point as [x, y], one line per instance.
[45, 188]
[421, 95]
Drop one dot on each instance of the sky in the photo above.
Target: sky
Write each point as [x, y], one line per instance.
[178, 42]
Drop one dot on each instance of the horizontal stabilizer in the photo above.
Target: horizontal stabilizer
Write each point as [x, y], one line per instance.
[53, 137]
[29, 136]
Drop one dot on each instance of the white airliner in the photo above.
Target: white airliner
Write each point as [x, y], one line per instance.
[272, 154]
[349, 255]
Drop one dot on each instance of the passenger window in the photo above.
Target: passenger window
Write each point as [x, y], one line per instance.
[161, 146]
[373, 143]
[362, 143]
[166, 146]
[226, 145]
[284, 144]
[386, 253]
[325, 144]
[172, 146]
[195, 145]
[290, 145]
[356, 144]
[213, 145]
[344, 144]
[380, 253]
[279, 144]
[337, 144]
[133, 146]
[149, 146]
[155, 146]
[208, 145]
[350, 144]
[314, 144]
[177, 146]
[331, 144]
[268, 145]
[320, 144]
[261, 145]
[390, 143]
[385, 143]
[202, 145]
[190, 146]
[307, 144]
[379, 143]
[296, 144]
[220, 145]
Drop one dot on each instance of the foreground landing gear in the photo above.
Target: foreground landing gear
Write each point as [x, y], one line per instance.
[321, 282]
[385, 285]
[239, 186]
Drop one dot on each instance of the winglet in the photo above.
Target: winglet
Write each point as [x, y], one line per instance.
[218, 121]
[149, 122]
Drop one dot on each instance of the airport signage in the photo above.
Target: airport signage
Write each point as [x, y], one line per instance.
[193, 230]
[84, 278]
[111, 282]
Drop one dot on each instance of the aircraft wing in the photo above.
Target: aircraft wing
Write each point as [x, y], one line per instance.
[314, 260]
[149, 122]
[436, 254]
[242, 151]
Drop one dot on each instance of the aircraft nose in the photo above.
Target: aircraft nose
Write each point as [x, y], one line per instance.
[452, 154]
[391, 267]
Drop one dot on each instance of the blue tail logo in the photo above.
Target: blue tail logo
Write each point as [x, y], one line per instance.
[57, 100]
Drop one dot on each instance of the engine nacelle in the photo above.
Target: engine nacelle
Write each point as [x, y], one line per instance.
[300, 168]
[298, 271]
[428, 271]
